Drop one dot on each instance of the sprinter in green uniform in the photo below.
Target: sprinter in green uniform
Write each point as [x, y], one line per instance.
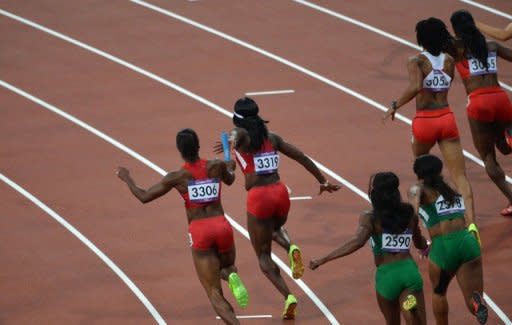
[455, 250]
[392, 227]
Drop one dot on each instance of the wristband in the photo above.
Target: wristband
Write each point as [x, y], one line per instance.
[426, 250]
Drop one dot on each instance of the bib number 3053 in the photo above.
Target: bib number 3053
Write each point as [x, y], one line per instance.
[266, 163]
[396, 242]
[203, 191]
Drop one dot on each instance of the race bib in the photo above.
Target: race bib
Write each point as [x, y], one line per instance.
[476, 68]
[204, 191]
[396, 243]
[443, 207]
[436, 81]
[266, 163]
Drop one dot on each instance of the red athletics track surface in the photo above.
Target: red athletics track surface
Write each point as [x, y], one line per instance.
[48, 277]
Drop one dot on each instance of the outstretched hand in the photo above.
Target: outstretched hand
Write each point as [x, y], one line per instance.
[390, 112]
[217, 148]
[314, 264]
[123, 173]
[328, 187]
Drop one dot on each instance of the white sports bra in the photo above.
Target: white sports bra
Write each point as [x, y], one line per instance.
[437, 80]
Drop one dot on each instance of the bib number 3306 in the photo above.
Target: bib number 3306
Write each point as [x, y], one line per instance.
[203, 191]
[266, 163]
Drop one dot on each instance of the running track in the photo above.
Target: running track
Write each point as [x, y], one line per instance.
[51, 277]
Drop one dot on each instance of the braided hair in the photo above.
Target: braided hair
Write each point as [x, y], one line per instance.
[428, 168]
[464, 26]
[433, 36]
[387, 204]
[246, 117]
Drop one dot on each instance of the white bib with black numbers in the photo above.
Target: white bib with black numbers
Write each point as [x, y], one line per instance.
[266, 163]
[204, 191]
[396, 243]
[443, 207]
[437, 80]
[477, 68]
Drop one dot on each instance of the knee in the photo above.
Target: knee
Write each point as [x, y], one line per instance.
[267, 266]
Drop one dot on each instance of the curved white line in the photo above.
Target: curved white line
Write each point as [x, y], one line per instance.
[217, 107]
[487, 8]
[292, 65]
[162, 172]
[89, 245]
[370, 28]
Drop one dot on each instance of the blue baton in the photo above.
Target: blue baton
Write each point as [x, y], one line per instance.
[225, 146]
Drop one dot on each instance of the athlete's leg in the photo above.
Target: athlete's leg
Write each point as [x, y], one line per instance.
[260, 232]
[454, 158]
[207, 265]
[390, 310]
[419, 148]
[227, 263]
[470, 279]
[280, 235]
[417, 315]
[484, 139]
[440, 280]
[503, 133]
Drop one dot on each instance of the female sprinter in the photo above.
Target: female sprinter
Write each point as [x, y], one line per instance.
[489, 108]
[392, 225]
[211, 236]
[268, 203]
[430, 75]
[454, 250]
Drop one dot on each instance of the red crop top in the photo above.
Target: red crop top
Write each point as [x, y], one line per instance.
[264, 161]
[201, 189]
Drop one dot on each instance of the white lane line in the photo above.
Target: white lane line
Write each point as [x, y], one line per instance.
[321, 306]
[270, 92]
[288, 189]
[298, 198]
[216, 108]
[89, 245]
[293, 66]
[371, 28]
[250, 316]
[487, 8]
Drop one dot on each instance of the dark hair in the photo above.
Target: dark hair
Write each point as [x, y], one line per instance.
[432, 35]
[465, 28]
[387, 202]
[246, 117]
[428, 168]
[188, 144]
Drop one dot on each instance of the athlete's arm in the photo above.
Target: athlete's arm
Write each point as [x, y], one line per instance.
[362, 235]
[501, 34]
[154, 192]
[503, 52]
[415, 85]
[296, 154]
[228, 172]
[420, 242]
[414, 196]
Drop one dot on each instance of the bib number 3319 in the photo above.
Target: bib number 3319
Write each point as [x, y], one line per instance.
[266, 163]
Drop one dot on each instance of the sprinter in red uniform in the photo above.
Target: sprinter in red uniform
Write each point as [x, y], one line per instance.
[489, 109]
[268, 202]
[210, 234]
[430, 76]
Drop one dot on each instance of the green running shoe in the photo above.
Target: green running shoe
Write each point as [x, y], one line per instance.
[238, 289]
[296, 262]
[409, 303]
[290, 305]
